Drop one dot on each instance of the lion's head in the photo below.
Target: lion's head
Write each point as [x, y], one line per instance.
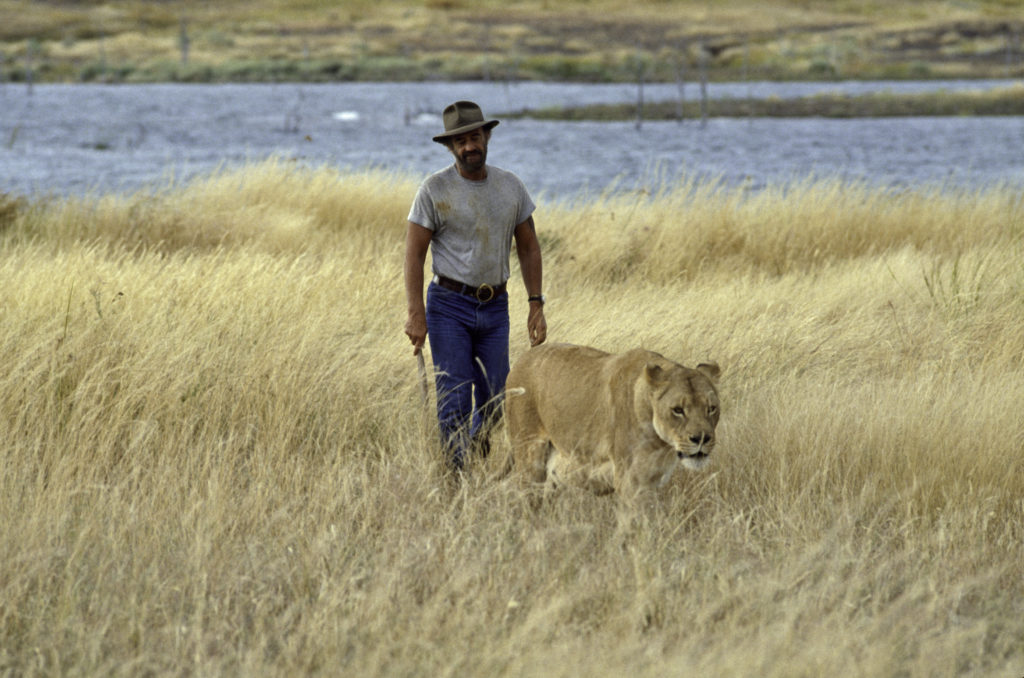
[685, 409]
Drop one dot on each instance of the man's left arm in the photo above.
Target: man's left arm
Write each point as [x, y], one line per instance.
[528, 251]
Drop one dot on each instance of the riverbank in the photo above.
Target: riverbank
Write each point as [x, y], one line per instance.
[1003, 101]
[574, 40]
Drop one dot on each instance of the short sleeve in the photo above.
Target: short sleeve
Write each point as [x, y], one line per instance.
[526, 206]
[422, 211]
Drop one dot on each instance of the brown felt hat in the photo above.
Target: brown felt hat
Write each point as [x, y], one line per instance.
[462, 117]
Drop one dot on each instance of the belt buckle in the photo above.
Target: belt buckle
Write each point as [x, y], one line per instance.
[484, 289]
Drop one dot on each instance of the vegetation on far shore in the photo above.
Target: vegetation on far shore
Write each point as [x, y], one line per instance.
[999, 101]
[577, 40]
[215, 460]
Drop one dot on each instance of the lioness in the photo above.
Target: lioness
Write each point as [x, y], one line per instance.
[608, 422]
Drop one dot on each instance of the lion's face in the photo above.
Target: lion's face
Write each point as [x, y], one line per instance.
[685, 410]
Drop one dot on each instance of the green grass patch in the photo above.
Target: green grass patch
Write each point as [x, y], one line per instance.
[1006, 101]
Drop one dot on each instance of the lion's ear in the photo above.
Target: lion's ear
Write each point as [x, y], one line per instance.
[653, 373]
[709, 370]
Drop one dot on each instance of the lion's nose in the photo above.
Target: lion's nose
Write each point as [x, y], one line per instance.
[700, 439]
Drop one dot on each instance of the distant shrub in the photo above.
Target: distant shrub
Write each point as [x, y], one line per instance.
[217, 38]
[102, 71]
[820, 68]
[920, 69]
[10, 207]
[565, 68]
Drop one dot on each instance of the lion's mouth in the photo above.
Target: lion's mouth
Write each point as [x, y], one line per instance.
[696, 456]
[694, 461]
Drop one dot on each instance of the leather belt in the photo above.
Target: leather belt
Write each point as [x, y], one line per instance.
[483, 294]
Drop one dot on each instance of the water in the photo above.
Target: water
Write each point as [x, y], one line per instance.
[78, 139]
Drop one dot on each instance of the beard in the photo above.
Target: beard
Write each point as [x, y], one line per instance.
[473, 161]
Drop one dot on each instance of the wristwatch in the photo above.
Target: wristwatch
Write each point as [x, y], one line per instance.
[537, 297]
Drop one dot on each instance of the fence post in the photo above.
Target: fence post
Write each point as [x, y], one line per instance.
[183, 41]
[681, 83]
[30, 52]
[639, 90]
[703, 85]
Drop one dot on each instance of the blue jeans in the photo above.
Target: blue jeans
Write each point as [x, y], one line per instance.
[469, 347]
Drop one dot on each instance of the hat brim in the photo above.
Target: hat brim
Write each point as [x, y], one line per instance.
[465, 129]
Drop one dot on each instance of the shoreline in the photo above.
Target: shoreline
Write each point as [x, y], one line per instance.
[1007, 101]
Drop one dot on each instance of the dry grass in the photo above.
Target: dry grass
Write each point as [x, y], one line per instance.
[568, 39]
[213, 459]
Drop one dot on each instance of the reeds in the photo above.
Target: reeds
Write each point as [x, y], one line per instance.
[214, 458]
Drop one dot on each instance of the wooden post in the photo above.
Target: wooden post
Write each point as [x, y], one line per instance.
[639, 91]
[183, 41]
[1009, 51]
[30, 50]
[703, 85]
[487, 52]
[680, 83]
[746, 77]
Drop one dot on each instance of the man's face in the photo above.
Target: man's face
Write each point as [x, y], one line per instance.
[470, 151]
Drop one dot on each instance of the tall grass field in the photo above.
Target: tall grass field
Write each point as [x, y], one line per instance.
[215, 459]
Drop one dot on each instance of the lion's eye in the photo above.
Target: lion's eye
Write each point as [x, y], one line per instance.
[679, 411]
[712, 410]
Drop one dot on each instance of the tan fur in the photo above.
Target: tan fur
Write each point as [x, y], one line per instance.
[610, 423]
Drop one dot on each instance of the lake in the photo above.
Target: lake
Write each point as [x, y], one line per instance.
[79, 139]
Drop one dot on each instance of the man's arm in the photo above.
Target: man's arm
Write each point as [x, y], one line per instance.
[528, 251]
[417, 240]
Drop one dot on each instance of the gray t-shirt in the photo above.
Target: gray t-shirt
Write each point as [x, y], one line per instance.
[473, 222]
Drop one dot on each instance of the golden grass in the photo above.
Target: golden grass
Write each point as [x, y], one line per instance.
[214, 460]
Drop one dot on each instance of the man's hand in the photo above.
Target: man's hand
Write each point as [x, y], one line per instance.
[416, 330]
[417, 241]
[528, 250]
[537, 325]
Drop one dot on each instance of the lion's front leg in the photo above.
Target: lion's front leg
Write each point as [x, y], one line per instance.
[638, 482]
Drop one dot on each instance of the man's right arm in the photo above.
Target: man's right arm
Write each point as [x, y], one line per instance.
[417, 240]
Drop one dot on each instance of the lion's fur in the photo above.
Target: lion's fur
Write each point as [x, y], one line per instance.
[610, 423]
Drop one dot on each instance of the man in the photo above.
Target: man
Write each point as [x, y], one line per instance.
[469, 213]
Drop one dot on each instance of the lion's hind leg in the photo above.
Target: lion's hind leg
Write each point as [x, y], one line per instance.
[565, 470]
[529, 456]
[530, 447]
[532, 455]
